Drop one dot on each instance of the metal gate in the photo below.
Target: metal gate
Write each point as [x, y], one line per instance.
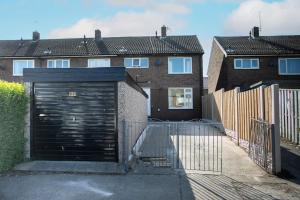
[179, 145]
[74, 121]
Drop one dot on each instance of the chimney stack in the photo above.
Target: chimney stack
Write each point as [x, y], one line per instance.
[255, 32]
[98, 35]
[163, 31]
[35, 36]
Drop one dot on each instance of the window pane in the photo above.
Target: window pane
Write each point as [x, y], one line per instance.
[188, 65]
[293, 66]
[59, 64]
[282, 66]
[144, 62]
[30, 64]
[246, 63]
[176, 98]
[136, 62]
[127, 62]
[188, 100]
[50, 64]
[177, 65]
[255, 63]
[238, 63]
[65, 64]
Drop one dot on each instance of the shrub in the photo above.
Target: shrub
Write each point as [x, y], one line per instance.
[13, 101]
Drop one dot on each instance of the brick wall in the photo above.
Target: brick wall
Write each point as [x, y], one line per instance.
[155, 77]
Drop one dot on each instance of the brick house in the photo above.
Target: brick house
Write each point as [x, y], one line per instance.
[168, 68]
[249, 61]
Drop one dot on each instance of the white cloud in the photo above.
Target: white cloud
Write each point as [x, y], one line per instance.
[123, 24]
[279, 17]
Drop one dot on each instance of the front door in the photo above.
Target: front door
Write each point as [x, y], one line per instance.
[148, 92]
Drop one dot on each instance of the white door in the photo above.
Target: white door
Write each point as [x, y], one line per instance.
[148, 92]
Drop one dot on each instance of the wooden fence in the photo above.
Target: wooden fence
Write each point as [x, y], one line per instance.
[235, 110]
[289, 111]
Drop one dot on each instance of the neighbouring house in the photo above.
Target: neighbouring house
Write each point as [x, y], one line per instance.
[79, 113]
[205, 85]
[168, 68]
[249, 61]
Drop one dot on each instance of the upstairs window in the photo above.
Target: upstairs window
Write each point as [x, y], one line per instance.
[180, 65]
[252, 63]
[59, 63]
[136, 62]
[289, 66]
[180, 98]
[103, 62]
[19, 65]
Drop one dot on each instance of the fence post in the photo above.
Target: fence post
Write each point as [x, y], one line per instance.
[262, 102]
[177, 147]
[276, 155]
[222, 92]
[125, 146]
[236, 114]
[212, 106]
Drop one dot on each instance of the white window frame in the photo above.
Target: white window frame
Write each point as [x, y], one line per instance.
[184, 67]
[55, 60]
[14, 63]
[286, 59]
[242, 59]
[137, 66]
[184, 93]
[95, 59]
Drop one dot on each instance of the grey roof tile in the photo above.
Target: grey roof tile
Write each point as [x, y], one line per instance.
[263, 45]
[107, 46]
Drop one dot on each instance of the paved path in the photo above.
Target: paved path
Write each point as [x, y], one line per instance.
[241, 179]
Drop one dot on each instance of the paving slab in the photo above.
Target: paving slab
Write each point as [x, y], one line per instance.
[71, 167]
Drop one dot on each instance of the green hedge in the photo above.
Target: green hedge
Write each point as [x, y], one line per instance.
[13, 101]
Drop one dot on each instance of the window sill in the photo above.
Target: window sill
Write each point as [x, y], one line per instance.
[289, 74]
[180, 108]
[179, 73]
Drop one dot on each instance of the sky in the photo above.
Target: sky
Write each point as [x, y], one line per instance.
[204, 18]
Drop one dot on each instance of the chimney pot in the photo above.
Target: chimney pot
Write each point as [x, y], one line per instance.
[255, 32]
[163, 31]
[35, 36]
[98, 35]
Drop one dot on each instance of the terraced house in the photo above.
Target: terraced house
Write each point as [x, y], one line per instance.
[168, 68]
[254, 60]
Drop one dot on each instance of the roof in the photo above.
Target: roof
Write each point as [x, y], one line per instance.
[263, 45]
[107, 46]
[101, 74]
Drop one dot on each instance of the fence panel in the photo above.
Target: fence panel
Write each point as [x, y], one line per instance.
[238, 108]
[290, 114]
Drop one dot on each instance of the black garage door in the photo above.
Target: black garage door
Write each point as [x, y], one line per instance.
[75, 121]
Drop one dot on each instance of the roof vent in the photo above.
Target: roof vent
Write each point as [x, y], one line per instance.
[48, 51]
[122, 49]
[84, 40]
[230, 50]
[35, 36]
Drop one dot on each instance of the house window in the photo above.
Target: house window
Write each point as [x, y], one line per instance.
[103, 62]
[289, 66]
[180, 65]
[136, 62]
[59, 63]
[19, 65]
[252, 63]
[180, 98]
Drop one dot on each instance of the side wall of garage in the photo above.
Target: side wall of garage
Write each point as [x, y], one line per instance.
[132, 108]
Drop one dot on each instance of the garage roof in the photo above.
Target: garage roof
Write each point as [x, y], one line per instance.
[102, 74]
